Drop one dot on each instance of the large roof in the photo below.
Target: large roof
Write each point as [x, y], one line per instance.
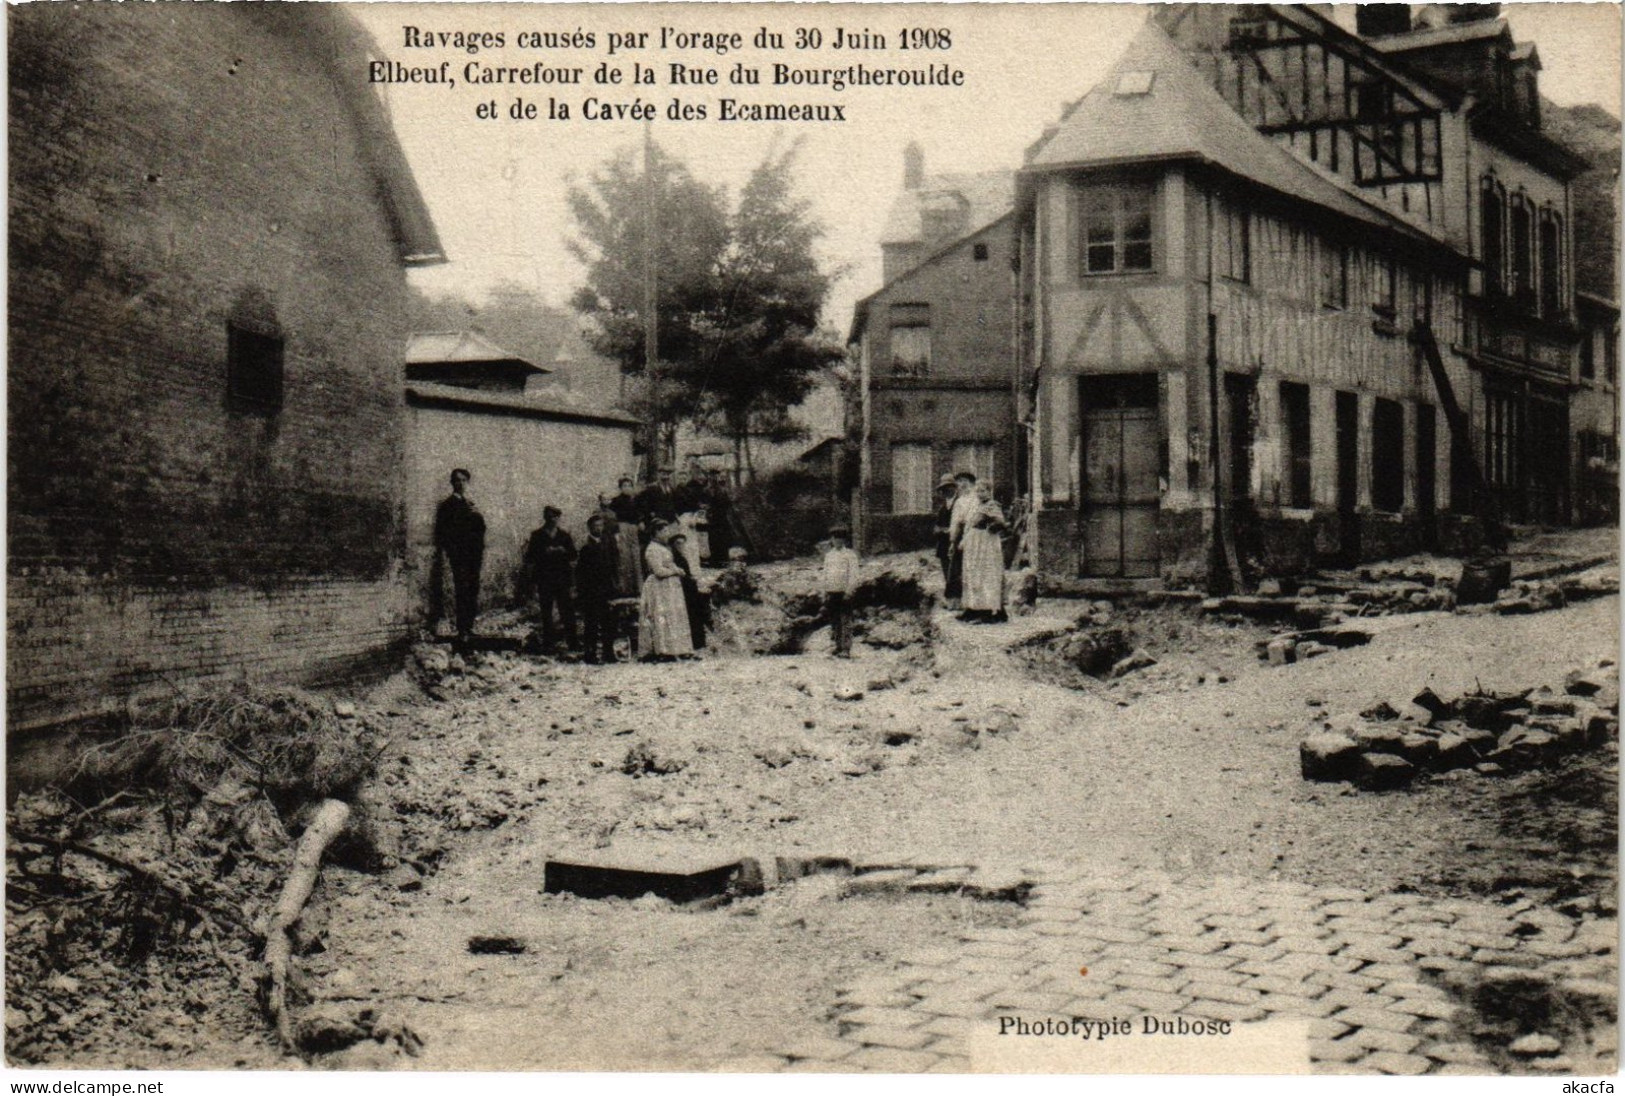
[1450, 34]
[1153, 105]
[987, 195]
[335, 38]
[462, 347]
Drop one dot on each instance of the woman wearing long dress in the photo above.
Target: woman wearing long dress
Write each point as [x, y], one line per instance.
[983, 595]
[663, 630]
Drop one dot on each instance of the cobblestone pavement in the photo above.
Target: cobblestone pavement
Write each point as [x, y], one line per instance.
[1389, 984]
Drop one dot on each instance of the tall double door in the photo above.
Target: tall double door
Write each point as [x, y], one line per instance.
[1121, 490]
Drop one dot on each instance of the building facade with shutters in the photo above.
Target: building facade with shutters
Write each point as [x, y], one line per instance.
[936, 346]
[1297, 293]
[210, 217]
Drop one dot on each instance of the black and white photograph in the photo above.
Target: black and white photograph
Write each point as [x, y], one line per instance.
[764, 538]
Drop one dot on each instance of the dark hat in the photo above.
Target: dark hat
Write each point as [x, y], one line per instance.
[551, 512]
[840, 531]
[464, 472]
[965, 475]
[947, 480]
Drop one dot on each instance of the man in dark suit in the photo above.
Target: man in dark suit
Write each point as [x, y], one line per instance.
[658, 502]
[549, 557]
[459, 534]
[595, 587]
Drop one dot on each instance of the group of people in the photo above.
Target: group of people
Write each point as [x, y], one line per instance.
[970, 528]
[648, 546]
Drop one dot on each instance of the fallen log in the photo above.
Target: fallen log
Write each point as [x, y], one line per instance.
[326, 823]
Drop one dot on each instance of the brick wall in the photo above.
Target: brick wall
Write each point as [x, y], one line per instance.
[170, 166]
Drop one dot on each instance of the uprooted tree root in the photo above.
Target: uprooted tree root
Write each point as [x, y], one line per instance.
[178, 860]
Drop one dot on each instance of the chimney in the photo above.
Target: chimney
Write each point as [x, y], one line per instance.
[913, 166]
[1377, 19]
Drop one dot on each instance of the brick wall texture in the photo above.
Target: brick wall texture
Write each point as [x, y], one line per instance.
[169, 169]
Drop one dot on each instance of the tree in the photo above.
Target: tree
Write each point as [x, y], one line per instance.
[690, 241]
[764, 350]
[738, 295]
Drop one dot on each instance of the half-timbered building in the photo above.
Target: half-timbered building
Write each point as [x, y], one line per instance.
[1296, 293]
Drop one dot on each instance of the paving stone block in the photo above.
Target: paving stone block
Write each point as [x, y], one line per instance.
[1064, 929]
[889, 1017]
[1457, 1053]
[818, 1048]
[955, 1007]
[1224, 1010]
[1334, 1051]
[1327, 1029]
[1356, 998]
[1262, 953]
[1191, 960]
[1390, 972]
[1382, 1039]
[1434, 946]
[757, 1063]
[996, 936]
[1454, 1069]
[1428, 1007]
[1148, 1000]
[876, 1059]
[1114, 933]
[1403, 1065]
[1272, 983]
[1372, 1017]
[1236, 995]
[1200, 941]
[1217, 977]
[896, 1038]
[878, 999]
[996, 949]
[1363, 926]
[1095, 1009]
[809, 1065]
[1289, 1004]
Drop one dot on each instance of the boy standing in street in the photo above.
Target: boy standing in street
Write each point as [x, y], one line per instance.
[549, 559]
[840, 580]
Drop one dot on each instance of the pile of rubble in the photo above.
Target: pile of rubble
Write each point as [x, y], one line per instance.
[1096, 644]
[1490, 733]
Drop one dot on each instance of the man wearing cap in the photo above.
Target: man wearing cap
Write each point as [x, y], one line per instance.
[658, 501]
[459, 536]
[596, 569]
[548, 560]
[945, 515]
[840, 580]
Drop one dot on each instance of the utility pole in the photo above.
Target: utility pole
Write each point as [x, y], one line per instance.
[651, 301]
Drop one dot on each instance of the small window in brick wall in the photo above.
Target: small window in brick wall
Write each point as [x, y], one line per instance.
[254, 345]
[253, 372]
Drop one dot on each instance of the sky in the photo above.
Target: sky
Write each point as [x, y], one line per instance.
[496, 188]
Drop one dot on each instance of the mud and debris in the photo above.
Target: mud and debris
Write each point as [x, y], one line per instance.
[990, 743]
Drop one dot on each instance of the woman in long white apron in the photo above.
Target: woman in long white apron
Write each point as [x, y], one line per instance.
[663, 630]
[983, 596]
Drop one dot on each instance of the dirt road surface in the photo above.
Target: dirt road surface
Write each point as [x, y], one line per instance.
[1189, 767]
